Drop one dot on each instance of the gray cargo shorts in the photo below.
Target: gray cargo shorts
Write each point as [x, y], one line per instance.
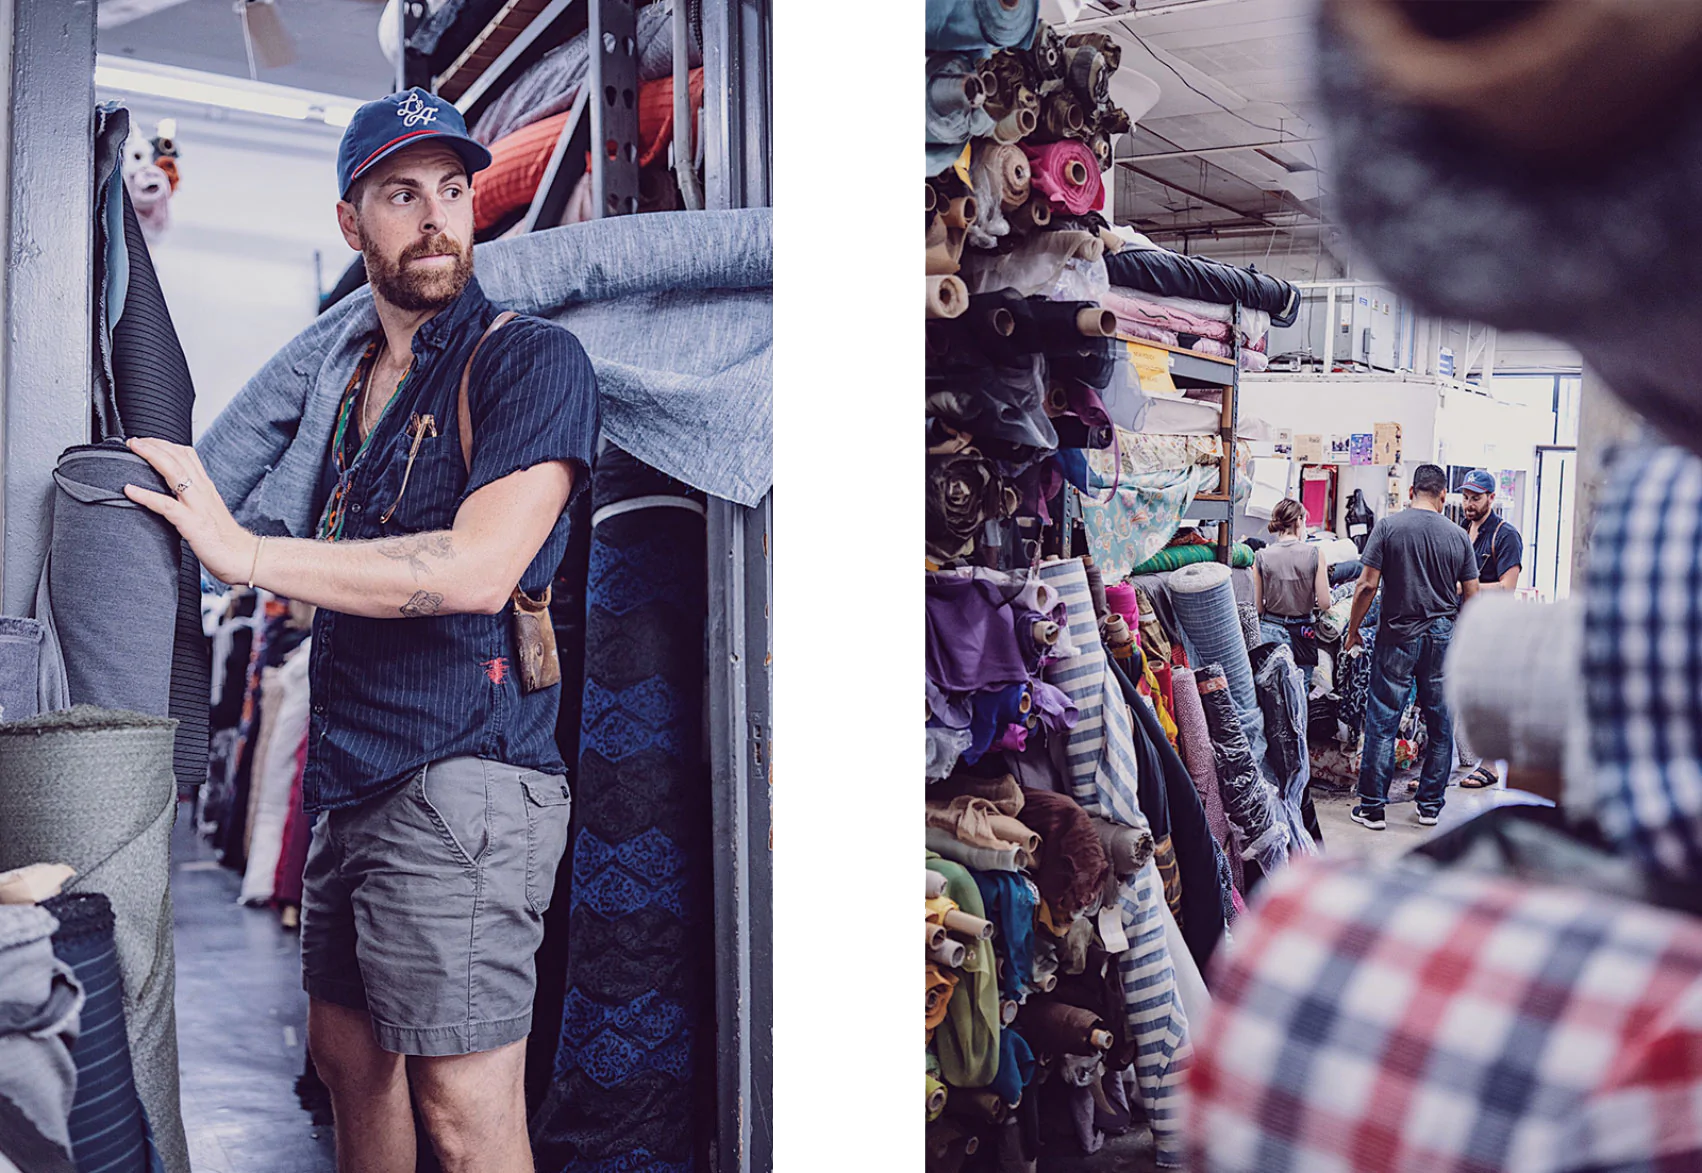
[424, 906]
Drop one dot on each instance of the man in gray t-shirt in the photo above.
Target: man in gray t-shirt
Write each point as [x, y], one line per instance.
[1426, 567]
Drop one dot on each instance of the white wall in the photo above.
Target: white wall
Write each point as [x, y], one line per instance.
[257, 199]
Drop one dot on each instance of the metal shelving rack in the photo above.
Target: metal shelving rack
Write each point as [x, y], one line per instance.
[1189, 368]
[737, 115]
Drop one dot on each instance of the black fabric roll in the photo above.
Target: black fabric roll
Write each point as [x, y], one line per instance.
[634, 1046]
[156, 398]
[1152, 270]
[1087, 360]
[109, 1132]
[1000, 403]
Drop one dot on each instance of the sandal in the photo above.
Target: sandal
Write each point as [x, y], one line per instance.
[1480, 779]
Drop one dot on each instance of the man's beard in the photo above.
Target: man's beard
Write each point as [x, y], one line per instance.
[408, 287]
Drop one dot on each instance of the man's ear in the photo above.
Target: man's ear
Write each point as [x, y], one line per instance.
[347, 221]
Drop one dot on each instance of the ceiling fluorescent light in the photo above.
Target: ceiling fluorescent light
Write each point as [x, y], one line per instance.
[225, 93]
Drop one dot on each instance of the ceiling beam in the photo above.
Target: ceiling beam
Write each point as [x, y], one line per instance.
[1197, 196]
[1204, 151]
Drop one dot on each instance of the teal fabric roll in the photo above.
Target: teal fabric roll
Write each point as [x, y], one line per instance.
[981, 26]
[1176, 557]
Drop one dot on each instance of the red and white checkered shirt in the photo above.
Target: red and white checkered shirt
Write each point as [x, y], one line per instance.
[1398, 1019]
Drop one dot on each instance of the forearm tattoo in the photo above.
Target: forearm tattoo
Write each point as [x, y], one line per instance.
[414, 549]
[423, 603]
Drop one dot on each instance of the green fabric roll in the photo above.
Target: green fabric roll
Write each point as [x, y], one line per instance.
[1176, 557]
[967, 1042]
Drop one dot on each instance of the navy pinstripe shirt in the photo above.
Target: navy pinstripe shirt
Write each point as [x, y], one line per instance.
[393, 695]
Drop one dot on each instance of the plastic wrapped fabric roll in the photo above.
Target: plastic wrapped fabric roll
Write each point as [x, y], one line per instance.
[108, 1129]
[94, 789]
[947, 296]
[1282, 696]
[953, 106]
[1068, 174]
[1250, 633]
[1204, 600]
[981, 26]
[1248, 800]
[1063, 265]
[1193, 744]
[1008, 166]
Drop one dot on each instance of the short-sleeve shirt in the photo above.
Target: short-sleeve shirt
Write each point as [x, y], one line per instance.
[1498, 546]
[390, 696]
[1423, 557]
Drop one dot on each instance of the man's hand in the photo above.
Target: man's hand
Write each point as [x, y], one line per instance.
[197, 510]
[1350, 641]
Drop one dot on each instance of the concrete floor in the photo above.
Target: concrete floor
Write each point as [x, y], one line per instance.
[1346, 839]
[241, 1024]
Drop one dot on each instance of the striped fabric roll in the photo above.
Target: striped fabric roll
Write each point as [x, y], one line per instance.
[1157, 1021]
[1103, 774]
[1203, 598]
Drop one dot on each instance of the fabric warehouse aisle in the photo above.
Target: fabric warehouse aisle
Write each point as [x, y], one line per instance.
[242, 1024]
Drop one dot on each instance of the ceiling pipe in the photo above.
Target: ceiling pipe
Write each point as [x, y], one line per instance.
[1148, 13]
[1204, 151]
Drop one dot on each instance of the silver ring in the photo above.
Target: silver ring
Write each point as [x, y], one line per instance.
[183, 486]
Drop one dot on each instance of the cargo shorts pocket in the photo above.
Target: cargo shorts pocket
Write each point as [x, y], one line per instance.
[548, 805]
[454, 795]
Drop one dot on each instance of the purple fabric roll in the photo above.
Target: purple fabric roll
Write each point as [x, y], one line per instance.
[972, 641]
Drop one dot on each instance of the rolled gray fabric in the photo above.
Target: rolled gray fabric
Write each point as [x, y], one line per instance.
[94, 789]
[1499, 641]
[20, 667]
[40, 999]
[112, 581]
[1128, 848]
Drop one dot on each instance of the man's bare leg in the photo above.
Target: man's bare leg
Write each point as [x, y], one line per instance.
[475, 1109]
[369, 1091]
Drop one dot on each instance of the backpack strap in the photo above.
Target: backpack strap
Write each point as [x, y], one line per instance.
[463, 411]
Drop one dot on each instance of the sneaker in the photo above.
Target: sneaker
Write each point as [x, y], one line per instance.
[1428, 820]
[1368, 818]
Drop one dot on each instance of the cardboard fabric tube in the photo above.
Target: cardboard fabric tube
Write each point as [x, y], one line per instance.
[936, 1100]
[1045, 633]
[972, 927]
[1100, 323]
[1047, 983]
[948, 296]
[949, 953]
[936, 935]
[1101, 1040]
[1007, 1012]
[1012, 831]
[1075, 171]
[936, 885]
[1003, 322]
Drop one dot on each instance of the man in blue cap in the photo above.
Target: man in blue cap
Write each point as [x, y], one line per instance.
[1500, 559]
[439, 796]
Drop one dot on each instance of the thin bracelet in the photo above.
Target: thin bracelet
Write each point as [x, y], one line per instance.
[255, 565]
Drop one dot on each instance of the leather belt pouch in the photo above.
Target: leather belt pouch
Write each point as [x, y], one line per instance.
[535, 641]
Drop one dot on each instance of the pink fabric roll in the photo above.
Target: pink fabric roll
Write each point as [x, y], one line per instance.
[1121, 598]
[1193, 743]
[1139, 310]
[1048, 166]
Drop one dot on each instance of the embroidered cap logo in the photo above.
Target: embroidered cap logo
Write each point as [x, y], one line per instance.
[414, 111]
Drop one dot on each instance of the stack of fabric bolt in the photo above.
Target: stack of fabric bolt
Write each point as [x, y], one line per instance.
[1074, 886]
[1196, 303]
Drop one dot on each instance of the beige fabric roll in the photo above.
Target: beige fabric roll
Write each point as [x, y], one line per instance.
[948, 296]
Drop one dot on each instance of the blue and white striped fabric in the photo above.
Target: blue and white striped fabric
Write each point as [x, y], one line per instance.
[1203, 598]
[1153, 1006]
[1103, 775]
[1643, 659]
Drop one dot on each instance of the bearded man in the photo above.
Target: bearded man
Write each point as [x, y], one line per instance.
[439, 796]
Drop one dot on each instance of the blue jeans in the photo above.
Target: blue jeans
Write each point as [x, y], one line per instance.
[1277, 630]
[1396, 666]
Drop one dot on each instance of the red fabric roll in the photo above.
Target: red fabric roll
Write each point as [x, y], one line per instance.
[518, 160]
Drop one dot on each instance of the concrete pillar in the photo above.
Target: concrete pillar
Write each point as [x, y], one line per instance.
[46, 283]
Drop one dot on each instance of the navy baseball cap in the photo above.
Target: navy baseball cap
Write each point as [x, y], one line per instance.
[1478, 481]
[401, 120]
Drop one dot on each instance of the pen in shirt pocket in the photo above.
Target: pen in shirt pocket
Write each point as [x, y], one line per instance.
[418, 427]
